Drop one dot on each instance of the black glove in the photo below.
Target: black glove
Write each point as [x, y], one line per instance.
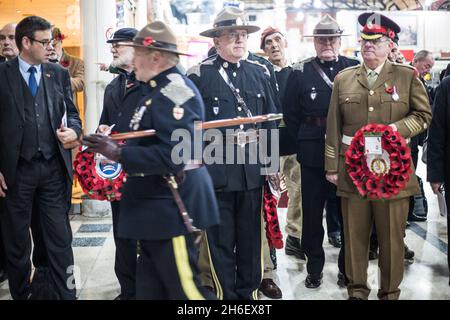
[104, 145]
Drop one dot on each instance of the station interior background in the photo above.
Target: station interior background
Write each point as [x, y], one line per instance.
[87, 24]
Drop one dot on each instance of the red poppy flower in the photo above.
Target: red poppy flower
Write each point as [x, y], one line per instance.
[65, 63]
[148, 41]
[391, 34]
[389, 89]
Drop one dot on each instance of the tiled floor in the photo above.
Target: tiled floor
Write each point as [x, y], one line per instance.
[427, 278]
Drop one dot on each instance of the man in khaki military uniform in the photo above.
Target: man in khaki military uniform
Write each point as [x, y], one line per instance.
[359, 97]
[73, 64]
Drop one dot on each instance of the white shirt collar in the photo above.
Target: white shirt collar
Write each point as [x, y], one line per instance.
[377, 70]
[24, 66]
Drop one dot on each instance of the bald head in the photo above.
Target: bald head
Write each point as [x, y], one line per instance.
[8, 47]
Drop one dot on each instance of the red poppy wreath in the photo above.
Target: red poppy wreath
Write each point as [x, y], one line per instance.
[273, 230]
[100, 178]
[381, 176]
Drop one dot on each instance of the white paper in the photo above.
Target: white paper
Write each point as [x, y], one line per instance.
[442, 204]
[373, 145]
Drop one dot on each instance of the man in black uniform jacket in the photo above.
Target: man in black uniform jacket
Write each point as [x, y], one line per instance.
[305, 106]
[122, 96]
[149, 212]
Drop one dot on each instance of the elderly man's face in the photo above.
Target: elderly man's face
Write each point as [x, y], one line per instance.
[275, 47]
[425, 65]
[375, 52]
[122, 55]
[232, 44]
[144, 64]
[327, 48]
[8, 45]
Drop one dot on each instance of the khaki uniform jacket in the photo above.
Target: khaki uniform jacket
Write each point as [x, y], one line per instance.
[76, 71]
[353, 105]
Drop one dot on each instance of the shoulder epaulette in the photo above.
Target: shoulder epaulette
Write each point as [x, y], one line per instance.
[354, 59]
[266, 71]
[196, 69]
[300, 65]
[350, 68]
[177, 90]
[403, 65]
[407, 66]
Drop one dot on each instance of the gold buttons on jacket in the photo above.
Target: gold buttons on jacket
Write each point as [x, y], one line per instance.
[371, 109]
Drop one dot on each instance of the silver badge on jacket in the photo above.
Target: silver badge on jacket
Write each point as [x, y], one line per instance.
[313, 94]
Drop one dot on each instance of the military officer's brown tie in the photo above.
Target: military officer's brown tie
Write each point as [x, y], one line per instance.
[372, 77]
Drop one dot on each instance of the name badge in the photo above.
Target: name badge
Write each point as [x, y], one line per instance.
[372, 144]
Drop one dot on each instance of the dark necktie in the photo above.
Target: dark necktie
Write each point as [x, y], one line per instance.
[32, 83]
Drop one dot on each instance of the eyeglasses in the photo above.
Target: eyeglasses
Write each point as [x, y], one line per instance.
[325, 40]
[45, 43]
[375, 42]
[234, 35]
[115, 45]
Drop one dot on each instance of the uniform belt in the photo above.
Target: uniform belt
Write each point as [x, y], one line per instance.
[242, 138]
[316, 121]
[191, 165]
[348, 140]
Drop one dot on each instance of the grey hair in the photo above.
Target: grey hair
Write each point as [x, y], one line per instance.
[172, 58]
[421, 55]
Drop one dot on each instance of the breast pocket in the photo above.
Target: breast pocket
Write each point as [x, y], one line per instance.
[394, 110]
[255, 101]
[350, 106]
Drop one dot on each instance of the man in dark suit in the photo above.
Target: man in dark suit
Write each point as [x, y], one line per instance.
[37, 118]
[438, 153]
[9, 50]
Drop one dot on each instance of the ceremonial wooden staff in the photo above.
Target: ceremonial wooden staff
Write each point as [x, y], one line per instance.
[171, 181]
[203, 126]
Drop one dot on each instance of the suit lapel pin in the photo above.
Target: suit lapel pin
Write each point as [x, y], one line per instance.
[48, 75]
[216, 110]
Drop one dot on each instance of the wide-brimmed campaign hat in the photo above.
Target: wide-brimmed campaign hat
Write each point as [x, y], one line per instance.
[327, 27]
[230, 18]
[376, 25]
[157, 36]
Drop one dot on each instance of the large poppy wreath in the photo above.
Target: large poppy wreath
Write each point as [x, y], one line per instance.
[384, 176]
[100, 178]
